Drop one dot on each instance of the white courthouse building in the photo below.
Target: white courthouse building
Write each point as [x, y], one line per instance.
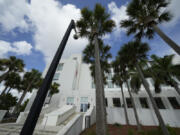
[77, 96]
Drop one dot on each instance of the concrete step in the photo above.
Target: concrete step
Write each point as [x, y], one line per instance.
[14, 129]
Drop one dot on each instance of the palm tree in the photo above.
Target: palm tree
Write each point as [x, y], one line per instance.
[53, 89]
[135, 81]
[11, 65]
[117, 79]
[144, 15]
[12, 81]
[105, 55]
[30, 81]
[132, 53]
[7, 101]
[88, 57]
[122, 68]
[93, 25]
[166, 71]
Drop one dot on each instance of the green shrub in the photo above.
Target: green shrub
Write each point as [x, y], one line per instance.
[130, 131]
[117, 125]
[141, 133]
[171, 130]
[154, 132]
[91, 132]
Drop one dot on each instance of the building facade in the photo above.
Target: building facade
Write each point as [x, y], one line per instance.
[77, 88]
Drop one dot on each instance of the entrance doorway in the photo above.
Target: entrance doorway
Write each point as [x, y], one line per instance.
[84, 104]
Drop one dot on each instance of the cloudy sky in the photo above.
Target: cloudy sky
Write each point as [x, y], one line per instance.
[32, 30]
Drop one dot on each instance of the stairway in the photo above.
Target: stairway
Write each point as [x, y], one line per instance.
[14, 129]
[65, 116]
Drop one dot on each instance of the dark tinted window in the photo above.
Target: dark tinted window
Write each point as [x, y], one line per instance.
[159, 103]
[106, 102]
[143, 102]
[116, 102]
[129, 103]
[174, 102]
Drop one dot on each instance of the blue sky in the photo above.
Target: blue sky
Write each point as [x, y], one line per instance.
[33, 31]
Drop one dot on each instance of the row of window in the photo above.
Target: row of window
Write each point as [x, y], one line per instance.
[59, 68]
[109, 85]
[70, 100]
[144, 103]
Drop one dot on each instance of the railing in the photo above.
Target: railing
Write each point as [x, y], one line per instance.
[89, 118]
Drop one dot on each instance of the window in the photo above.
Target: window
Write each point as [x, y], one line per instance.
[110, 84]
[70, 100]
[116, 102]
[60, 66]
[84, 99]
[106, 102]
[56, 76]
[174, 102]
[124, 85]
[129, 103]
[109, 76]
[143, 102]
[159, 103]
[92, 85]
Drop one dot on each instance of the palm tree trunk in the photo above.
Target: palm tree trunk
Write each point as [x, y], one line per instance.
[4, 91]
[171, 43]
[104, 100]
[3, 76]
[125, 109]
[134, 107]
[175, 85]
[146, 86]
[16, 109]
[100, 114]
[22, 97]
[9, 90]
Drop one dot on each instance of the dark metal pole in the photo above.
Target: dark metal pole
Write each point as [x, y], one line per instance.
[37, 105]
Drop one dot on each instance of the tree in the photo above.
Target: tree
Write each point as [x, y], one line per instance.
[144, 15]
[135, 81]
[93, 25]
[23, 106]
[88, 57]
[12, 81]
[166, 71]
[53, 89]
[11, 65]
[121, 67]
[105, 55]
[117, 79]
[132, 53]
[7, 101]
[30, 81]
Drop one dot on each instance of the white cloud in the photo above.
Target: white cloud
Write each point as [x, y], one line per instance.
[51, 20]
[12, 14]
[18, 47]
[4, 48]
[117, 14]
[21, 47]
[175, 10]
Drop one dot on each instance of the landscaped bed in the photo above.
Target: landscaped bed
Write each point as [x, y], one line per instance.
[117, 129]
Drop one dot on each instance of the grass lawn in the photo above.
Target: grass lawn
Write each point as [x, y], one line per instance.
[117, 129]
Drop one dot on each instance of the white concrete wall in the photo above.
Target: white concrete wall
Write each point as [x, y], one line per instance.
[58, 116]
[74, 127]
[146, 116]
[81, 87]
